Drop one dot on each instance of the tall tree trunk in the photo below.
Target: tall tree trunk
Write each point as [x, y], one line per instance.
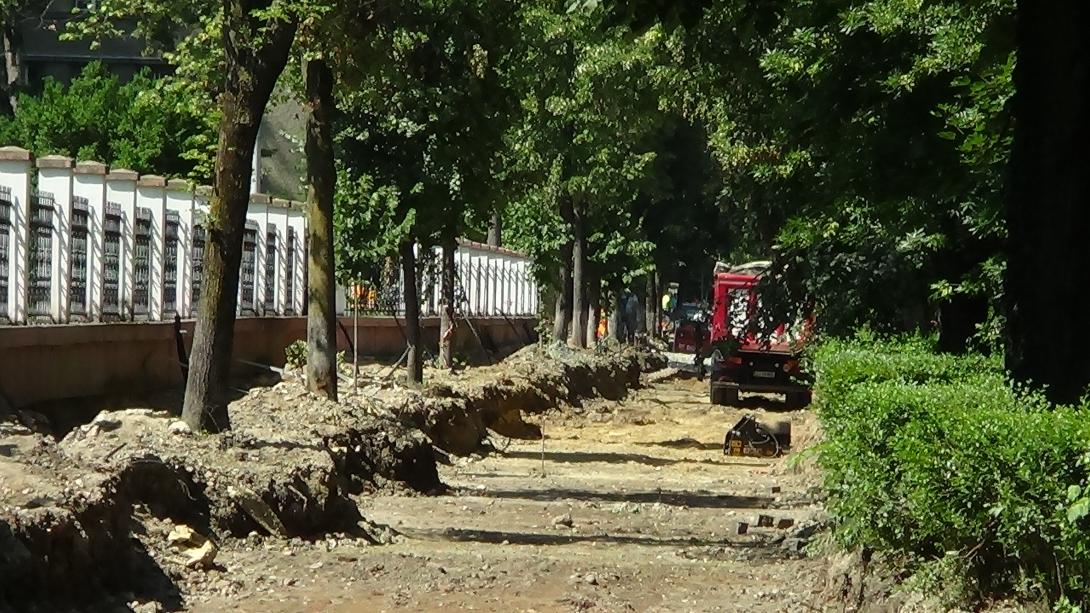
[414, 359]
[1048, 206]
[563, 312]
[321, 282]
[652, 303]
[577, 338]
[256, 52]
[495, 230]
[446, 306]
[594, 310]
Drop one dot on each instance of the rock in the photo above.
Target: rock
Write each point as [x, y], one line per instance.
[201, 557]
[199, 552]
[179, 427]
[35, 422]
[794, 545]
[809, 529]
[105, 423]
[590, 579]
[784, 523]
[564, 520]
[151, 606]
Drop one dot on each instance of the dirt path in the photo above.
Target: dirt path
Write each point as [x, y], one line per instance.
[634, 509]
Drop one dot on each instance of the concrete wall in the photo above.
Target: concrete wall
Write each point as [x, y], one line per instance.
[43, 364]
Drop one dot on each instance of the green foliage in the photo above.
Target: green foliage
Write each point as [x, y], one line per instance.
[937, 458]
[145, 124]
[295, 355]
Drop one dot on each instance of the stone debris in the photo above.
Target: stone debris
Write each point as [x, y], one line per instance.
[199, 550]
[564, 520]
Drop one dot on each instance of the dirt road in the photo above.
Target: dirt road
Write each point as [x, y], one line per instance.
[632, 506]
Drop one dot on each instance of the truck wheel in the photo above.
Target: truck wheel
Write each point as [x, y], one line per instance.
[731, 396]
[798, 400]
[717, 394]
[724, 396]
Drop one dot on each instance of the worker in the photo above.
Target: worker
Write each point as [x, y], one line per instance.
[631, 308]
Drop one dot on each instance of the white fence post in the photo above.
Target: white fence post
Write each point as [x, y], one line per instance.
[179, 211]
[258, 215]
[15, 166]
[121, 190]
[55, 188]
[151, 199]
[89, 186]
[297, 225]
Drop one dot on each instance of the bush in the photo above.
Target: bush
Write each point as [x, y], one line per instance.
[938, 458]
[145, 124]
[295, 355]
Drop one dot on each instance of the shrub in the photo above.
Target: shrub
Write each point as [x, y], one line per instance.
[938, 458]
[295, 355]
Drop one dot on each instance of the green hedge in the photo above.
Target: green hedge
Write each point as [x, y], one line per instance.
[936, 457]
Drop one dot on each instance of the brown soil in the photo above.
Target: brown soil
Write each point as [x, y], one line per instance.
[652, 503]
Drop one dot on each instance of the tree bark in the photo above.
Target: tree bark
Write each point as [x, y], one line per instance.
[495, 230]
[577, 337]
[652, 303]
[1048, 204]
[414, 359]
[563, 312]
[321, 282]
[252, 68]
[641, 310]
[446, 306]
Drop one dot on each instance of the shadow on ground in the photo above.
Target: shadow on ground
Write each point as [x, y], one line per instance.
[697, 500]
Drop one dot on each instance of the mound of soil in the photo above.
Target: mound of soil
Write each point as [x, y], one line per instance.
[457, 410]
[288, 468]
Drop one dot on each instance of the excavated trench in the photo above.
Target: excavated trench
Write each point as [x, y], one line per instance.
[71, 517]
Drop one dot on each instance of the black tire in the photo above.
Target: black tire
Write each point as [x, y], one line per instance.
[730, 396]
[798, 400]
[717, 394]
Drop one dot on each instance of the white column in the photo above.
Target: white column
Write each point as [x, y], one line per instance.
[179, 200]
[297, 222]
[278, 226]
[493, 284]
[89, 183]
[258, 213]
[464, 260]
[477, 274]
[278, 217]
[151, 195]
[121, 190]
[15, 166]
[55, 179]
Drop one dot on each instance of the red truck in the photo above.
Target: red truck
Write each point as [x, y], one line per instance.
[743, 360]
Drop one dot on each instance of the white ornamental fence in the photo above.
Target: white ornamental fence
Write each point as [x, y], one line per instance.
[80, 242]
[488, 282]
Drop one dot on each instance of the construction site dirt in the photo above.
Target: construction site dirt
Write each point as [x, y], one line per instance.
[627, 506]
[624, 504]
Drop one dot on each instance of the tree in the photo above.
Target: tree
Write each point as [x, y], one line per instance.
[321, 281]
[421, 126]
[584, 147]
[1048, 208]
[256, 43]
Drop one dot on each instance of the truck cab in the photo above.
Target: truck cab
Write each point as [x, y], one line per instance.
[742, 359]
